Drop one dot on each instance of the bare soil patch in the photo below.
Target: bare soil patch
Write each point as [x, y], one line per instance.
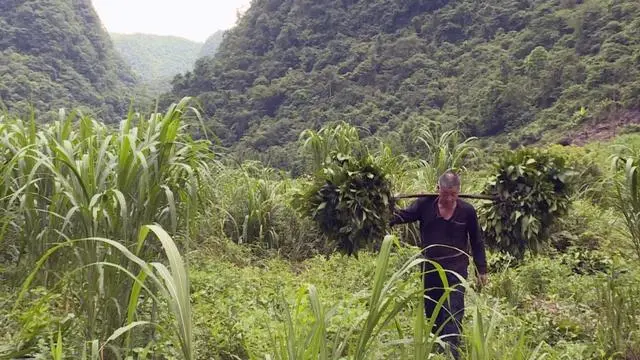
[603, 129]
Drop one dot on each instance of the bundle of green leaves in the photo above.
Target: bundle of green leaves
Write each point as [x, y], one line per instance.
[533, 190]
[350, 200]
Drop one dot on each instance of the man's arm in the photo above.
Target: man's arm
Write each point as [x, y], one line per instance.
[477, 243]
[407, 215]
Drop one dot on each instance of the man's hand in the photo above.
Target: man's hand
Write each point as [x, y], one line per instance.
[483, 279]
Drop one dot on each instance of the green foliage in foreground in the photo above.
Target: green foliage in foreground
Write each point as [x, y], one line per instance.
[80, 179]
[388, 297]
[628, 195]
[102, 283]
[541, 307]
[172, 283]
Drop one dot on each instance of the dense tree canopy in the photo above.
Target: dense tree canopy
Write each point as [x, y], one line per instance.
[489, 67]
[55, 53]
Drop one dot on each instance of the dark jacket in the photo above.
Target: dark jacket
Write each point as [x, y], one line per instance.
[458, 232]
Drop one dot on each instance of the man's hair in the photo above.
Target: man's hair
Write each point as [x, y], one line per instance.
[449, 179]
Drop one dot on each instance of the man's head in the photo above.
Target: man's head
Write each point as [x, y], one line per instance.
[448, 188]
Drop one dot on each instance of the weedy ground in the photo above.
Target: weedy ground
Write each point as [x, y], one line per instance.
[231, 270]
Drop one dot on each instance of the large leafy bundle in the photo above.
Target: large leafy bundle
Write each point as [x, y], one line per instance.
[350, 202]
[533, 191]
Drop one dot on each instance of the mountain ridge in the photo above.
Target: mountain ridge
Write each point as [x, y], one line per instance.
[56, 53]
[156, 59]
[512, 68]
[210, 46]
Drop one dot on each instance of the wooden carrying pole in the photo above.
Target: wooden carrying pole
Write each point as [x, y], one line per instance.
[468, 196]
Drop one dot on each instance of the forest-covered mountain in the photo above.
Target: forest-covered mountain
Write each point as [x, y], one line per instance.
[488, 67]
[156, 59]
[56, 53]
[210, 46]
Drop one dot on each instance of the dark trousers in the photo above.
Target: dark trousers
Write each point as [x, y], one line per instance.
[448, 322]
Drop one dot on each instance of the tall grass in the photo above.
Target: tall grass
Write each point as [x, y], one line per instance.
[79, 179]
[619, 301]
[483, 342]
[254, 206]
[318, 145]
[172, 283]
[444, 149]
[395, 305]
[628, 196]
[391, 294]
[85, 202]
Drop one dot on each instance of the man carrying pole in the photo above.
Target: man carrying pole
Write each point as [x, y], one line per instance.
[448, 225]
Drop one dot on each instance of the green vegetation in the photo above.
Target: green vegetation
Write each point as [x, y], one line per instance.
[55, 54]
[533, 190]
[351, 203]
[211, 45]
[143, 236]
[532, 69]
[628, 196]
[79, 201]
[156, 59]
[135, 240]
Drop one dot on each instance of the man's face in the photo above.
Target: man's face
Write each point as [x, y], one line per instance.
[448, 196]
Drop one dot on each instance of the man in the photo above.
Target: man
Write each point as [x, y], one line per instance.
[447, 226]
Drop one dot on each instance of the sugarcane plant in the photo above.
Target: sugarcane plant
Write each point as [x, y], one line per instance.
[77, 178]
[628, 196]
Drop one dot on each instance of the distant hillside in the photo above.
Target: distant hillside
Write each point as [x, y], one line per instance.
[491, 67]
[211, 45]
[156, 59]
[56, 53]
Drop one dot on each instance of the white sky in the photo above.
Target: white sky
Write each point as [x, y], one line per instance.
[191, 19]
